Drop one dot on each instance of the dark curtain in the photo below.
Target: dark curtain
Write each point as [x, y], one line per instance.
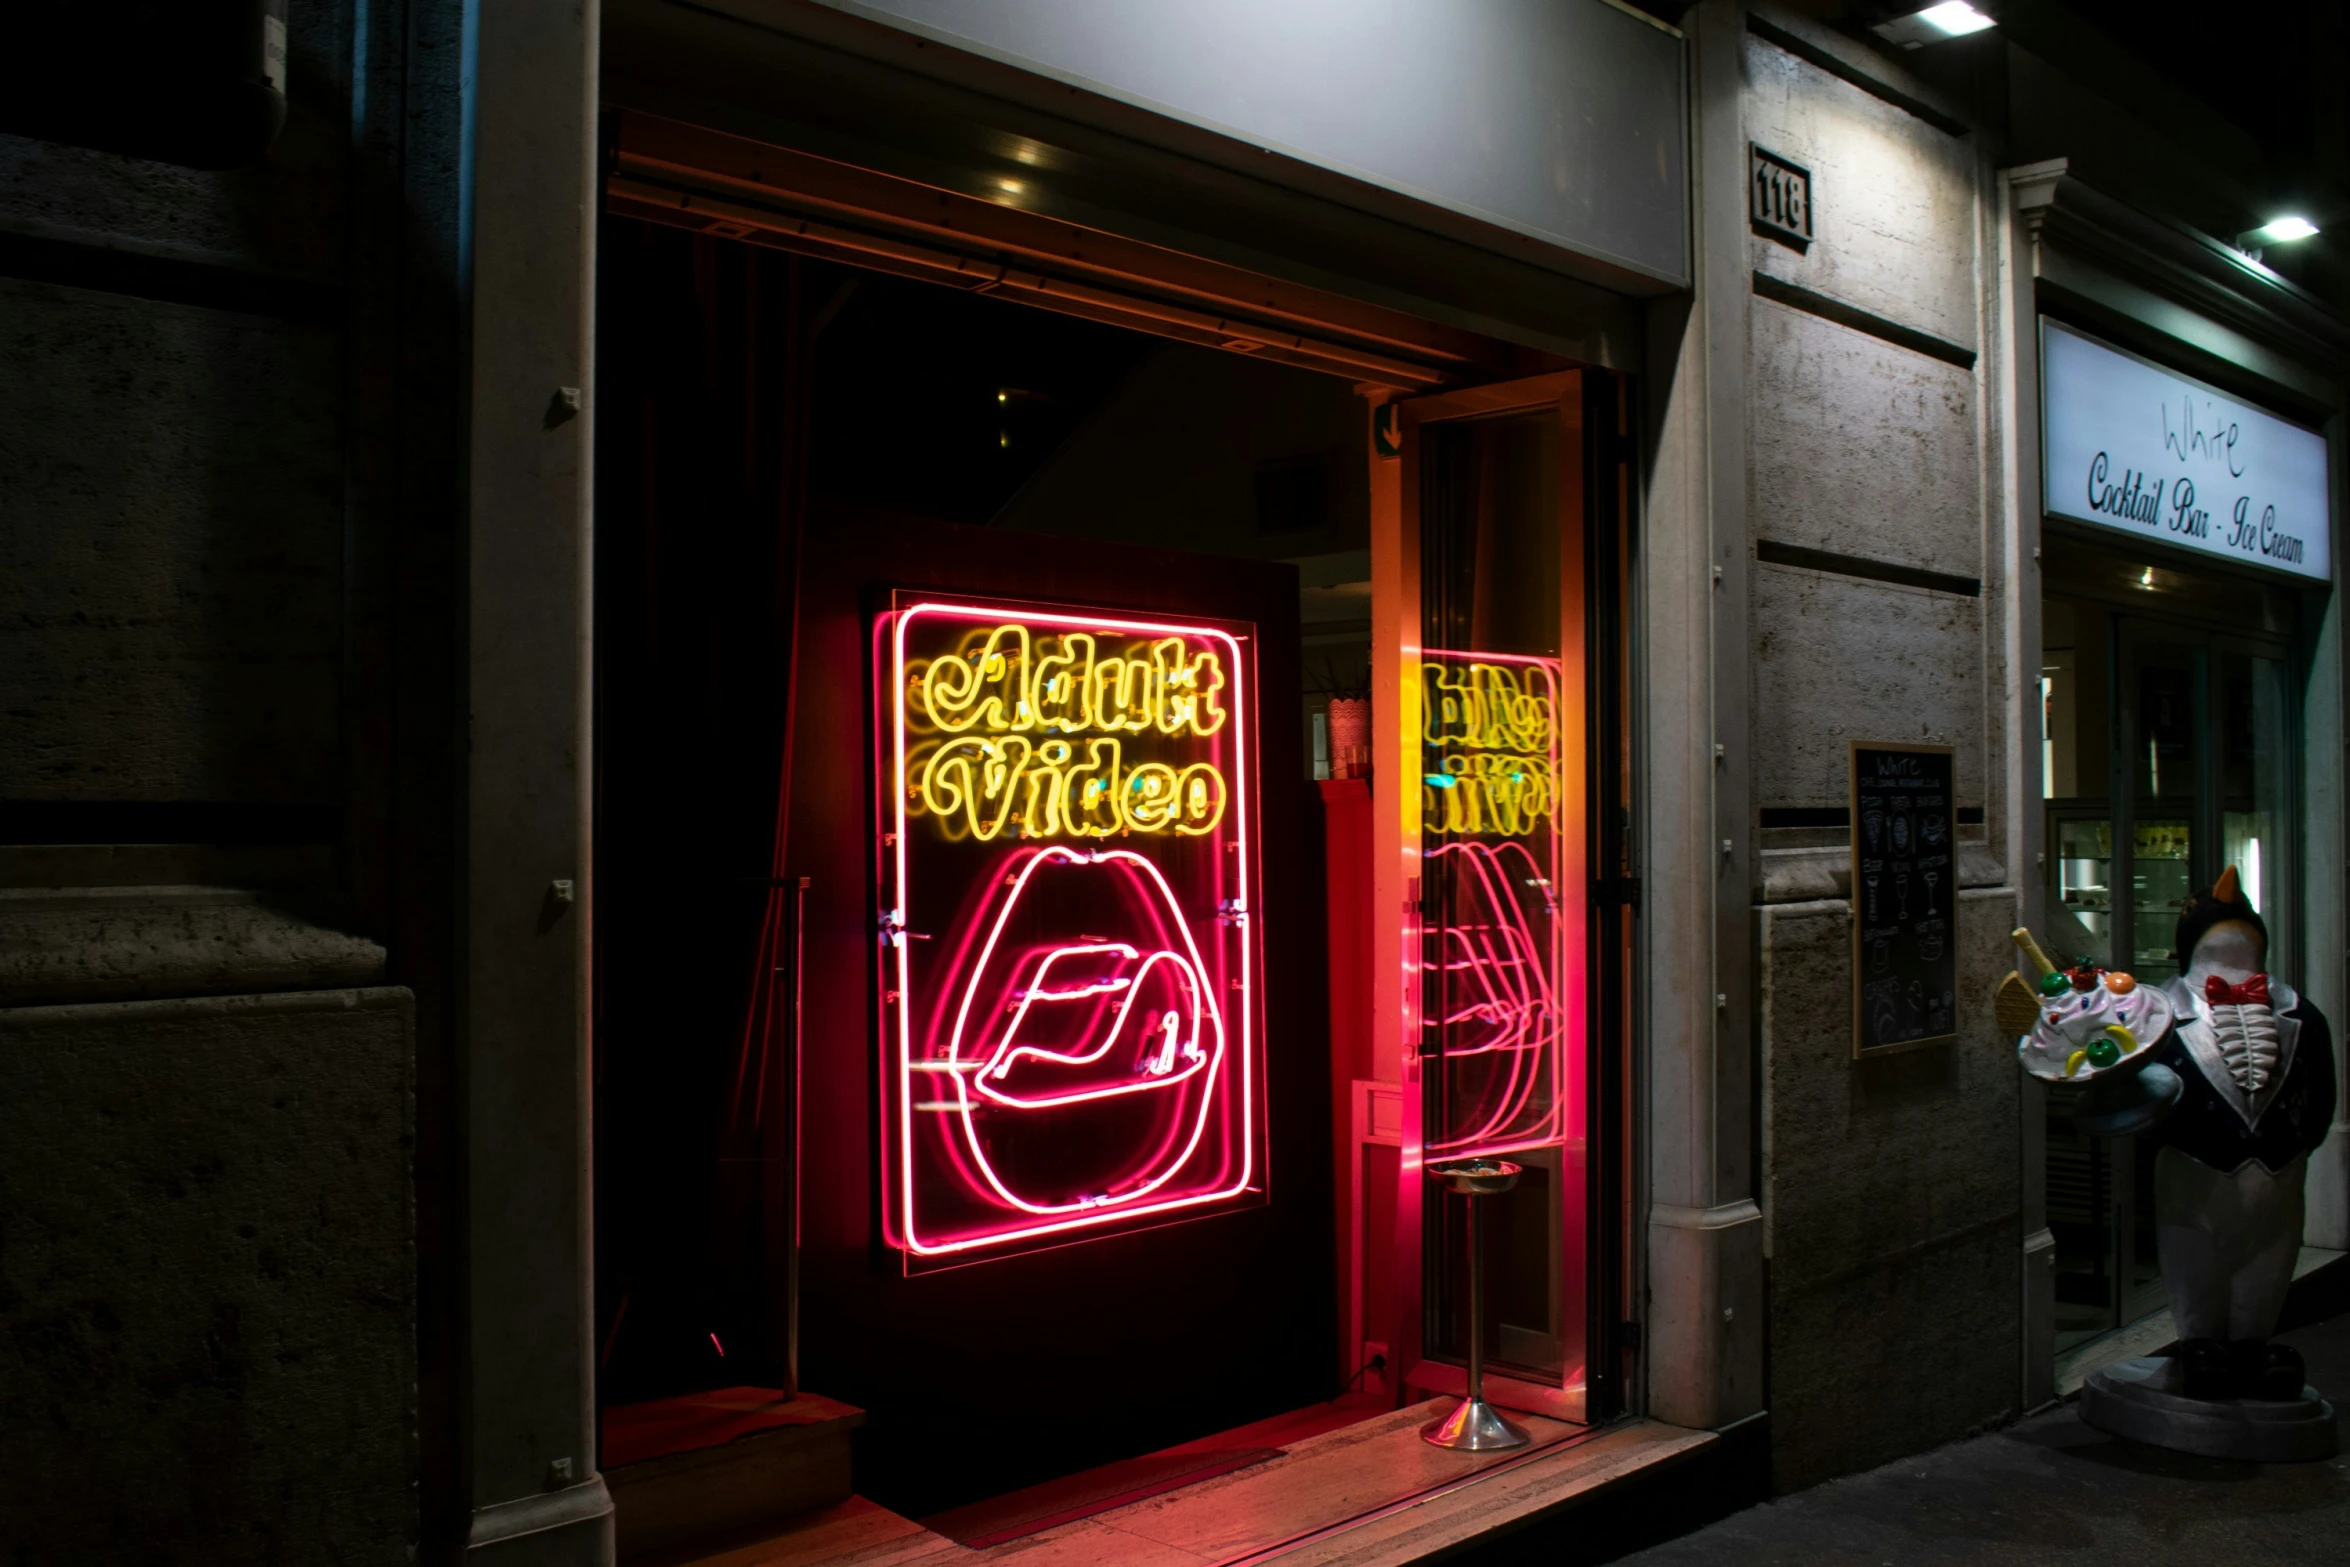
[700, 456]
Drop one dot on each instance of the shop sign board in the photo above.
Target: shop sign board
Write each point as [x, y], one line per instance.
[1070, 1036]
[1904, 897]
[2129, 445]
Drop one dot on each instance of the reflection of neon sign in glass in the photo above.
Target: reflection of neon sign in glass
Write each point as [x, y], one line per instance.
[1490, 725]
[1070, 1003]
[1492, 857]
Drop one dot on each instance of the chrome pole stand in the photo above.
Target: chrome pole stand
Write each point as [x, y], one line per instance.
[1475, 1426]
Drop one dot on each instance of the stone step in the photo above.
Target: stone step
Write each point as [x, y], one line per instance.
[705, 1468]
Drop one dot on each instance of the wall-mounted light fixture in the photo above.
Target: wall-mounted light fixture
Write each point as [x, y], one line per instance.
[1951, 19]
[2276, 231]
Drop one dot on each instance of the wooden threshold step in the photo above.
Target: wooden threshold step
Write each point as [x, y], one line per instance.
[1372, 1493]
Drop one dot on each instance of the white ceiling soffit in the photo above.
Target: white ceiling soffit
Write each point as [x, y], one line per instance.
[1560, 120]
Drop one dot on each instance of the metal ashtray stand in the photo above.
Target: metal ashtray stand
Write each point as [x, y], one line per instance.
[1475, 1426]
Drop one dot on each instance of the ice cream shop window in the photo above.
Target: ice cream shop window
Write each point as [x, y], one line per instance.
[2168, 753]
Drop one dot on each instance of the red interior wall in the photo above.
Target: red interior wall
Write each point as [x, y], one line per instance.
[1346, 872]
[1346, 840]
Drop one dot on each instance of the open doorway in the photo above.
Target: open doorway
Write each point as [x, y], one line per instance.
[798, 457]
[1089, 464]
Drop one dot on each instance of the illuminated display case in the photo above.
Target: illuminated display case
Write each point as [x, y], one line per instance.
[1070, 1029]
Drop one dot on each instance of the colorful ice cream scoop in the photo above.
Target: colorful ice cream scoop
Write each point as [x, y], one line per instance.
[2094, 1022]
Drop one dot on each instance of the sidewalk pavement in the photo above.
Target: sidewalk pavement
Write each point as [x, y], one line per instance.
[2049, 1490]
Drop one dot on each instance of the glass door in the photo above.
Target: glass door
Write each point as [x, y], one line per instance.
[2164, 759]
[1496, 698]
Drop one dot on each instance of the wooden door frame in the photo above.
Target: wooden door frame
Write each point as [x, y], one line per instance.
[1396, 839]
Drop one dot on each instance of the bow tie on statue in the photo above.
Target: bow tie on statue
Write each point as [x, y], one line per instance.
[2253, 992]
[2244, 1028]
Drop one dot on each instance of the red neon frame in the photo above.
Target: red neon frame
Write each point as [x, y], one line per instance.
[1134, 1053]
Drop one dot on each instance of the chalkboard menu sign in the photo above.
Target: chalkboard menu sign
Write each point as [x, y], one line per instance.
[1904, 897]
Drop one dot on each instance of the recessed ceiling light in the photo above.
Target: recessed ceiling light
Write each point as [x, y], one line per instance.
[1955, 18]
[1951, 19]
[2279, 231]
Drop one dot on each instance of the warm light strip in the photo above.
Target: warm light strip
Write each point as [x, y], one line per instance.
[1245, 1008]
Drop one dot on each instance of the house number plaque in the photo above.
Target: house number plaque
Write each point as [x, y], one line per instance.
[1778, 195]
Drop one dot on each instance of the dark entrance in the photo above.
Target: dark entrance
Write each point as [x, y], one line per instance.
[786, 441]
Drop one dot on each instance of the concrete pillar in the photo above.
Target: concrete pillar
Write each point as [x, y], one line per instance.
[529, 1396]
[2324, 955]
[1704, 1345]
[2016, 323]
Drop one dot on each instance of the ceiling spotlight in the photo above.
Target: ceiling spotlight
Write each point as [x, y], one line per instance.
[1951, 19]
[2277, 231]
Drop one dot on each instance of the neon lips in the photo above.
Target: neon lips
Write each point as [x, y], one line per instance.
[1069, 1025]
[1108, 1043]
[1149, 1047]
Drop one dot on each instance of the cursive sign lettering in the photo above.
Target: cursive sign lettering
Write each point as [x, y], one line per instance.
[2191, 440]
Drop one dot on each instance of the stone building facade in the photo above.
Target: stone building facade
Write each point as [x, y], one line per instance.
[1873, 471]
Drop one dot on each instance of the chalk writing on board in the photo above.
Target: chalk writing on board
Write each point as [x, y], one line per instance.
[1904, 897]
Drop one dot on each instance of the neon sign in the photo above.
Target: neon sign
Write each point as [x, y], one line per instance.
[1496, 955]
[1070, 998]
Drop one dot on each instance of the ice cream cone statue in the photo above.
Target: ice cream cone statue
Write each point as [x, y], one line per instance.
[2231, 1073]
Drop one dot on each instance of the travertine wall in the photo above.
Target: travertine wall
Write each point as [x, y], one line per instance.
[208, 1284]
[1895, 1281]
[170, 572]
[171, 462]
[1891, 1186]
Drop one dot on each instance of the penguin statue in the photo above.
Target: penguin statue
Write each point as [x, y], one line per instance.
[2229, 1073]
[2257, 1062]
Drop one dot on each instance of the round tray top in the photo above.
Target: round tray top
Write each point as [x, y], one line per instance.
[1476, 1177]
